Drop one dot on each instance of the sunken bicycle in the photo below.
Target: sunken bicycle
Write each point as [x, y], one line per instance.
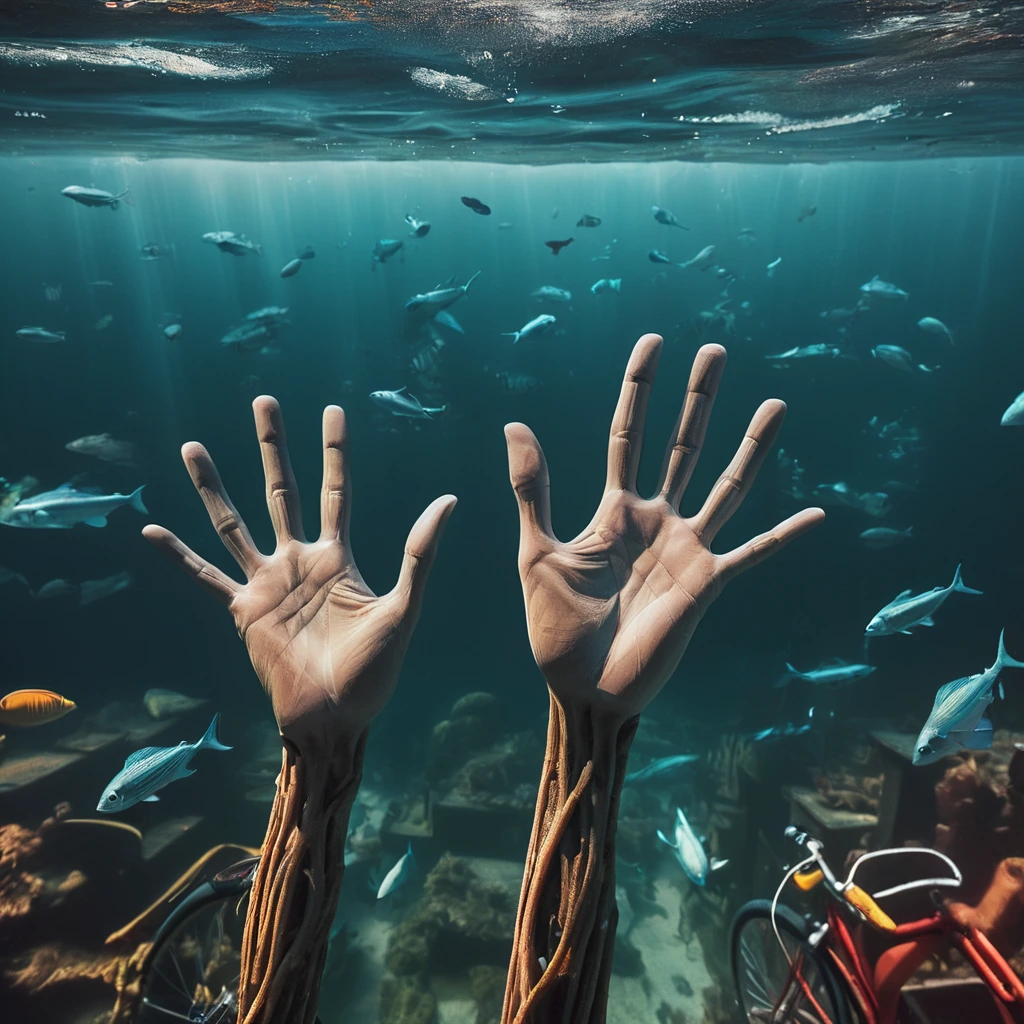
[791, 970]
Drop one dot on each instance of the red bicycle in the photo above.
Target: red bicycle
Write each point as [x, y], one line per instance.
[792, 970]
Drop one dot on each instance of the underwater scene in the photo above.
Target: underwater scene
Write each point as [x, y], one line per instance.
[700, 717]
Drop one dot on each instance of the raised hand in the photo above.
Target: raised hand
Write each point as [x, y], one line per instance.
[326, 649]
[610, 613]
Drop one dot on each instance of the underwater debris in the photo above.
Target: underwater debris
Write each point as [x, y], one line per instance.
[161, 703]
[407, 1000]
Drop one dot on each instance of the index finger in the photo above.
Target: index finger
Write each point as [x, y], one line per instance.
[627, 432]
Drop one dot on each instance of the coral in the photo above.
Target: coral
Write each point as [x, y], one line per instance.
[472, 725]
[718, 1008]
[487, 985]
[21, 890]
[407, 1000]
[670, 1015]
[483, 705]
[844, 791]
[458, 920]
[733, 756]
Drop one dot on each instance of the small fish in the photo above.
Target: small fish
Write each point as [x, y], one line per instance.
[1014, 415]
[55, 589]
[536, 328]
[291, 268]
[66, 507]
[151, 251]
[34, 707]
[842, 315]
[95, 196]
[443, 296]
[385, 248]
[97, 590]
[689, 851]
[805, 212]
[250, 380]
[747, 236]
[228, 241]
[166, 703]
[958, 718]
[552, 294]
[268, 314]
[172, 332]
[588, 221]
[833, 674]
[606, 284]
[505, 225]
[307, 253]
[874, 503]
[778, 732]
[878, 288]
[517, 383]
[773, 266]
[666, 217]
[557, 247]
[40, 334]
[894, 356]
[9, 575]
[476, 206]
[398, 403]
[658, 257]
[104, 322]
[661, 767]
[805, 352]
[880, 537]
[100, 284]
[104, 447]
[53, 292]
[152, 768]
[420, 228]
[704, 259]
[403, 869]
[908, 610]
[933, 326]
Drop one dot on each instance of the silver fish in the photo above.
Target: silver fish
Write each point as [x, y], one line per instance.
[152, 768]
[957, 718]
[536, 328]
[40, 334]
[874, 503]
[689, 851]
[398, 875]
[228, 241]
[661, 767]
[1014, 415]
[880, 289]
[54, 589]
[97, 590]
[172, 332]
[606, 284]
[517, 383]
[291, 268]
[95, 196]
[385, 248]
[933, 326]
[105, 447]
[834, 674]
[666, 217]
[165, 703]
[398, 403]
[908, 610]
[552, 294]
[895, 356]
[441, 297]
[420, 228]
[805, 352]
[66, 507]
[704, 259]
[880, 537]
[773, 266]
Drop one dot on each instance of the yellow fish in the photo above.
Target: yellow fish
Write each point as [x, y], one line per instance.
[34, 707]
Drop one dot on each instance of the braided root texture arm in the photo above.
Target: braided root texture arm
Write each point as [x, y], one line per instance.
[295, 892]
[565, 928]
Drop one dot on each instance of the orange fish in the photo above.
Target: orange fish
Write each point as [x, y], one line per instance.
[34, 707]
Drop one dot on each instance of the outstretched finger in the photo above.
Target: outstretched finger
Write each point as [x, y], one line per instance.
[757, 550]
[208, 576]
[225, 518]
[335, 496]
[528, 471]
[627, 434]
[692, 424]
[732, 486]
[282, 492]
[420, 551]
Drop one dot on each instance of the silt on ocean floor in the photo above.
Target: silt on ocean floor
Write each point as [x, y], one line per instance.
[446, 222]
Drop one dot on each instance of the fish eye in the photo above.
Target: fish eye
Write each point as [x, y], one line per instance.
[112, 798]
[924, 750]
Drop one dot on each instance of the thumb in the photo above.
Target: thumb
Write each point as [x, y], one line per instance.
[420, 551]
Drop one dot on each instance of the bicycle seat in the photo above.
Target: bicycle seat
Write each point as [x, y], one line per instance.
[902, 880]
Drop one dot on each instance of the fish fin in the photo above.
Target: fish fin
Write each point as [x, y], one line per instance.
[667, 842]
[926, 621]
[905, 632]
[901, 595]
[1003, 658]
[139, 755]
[151, 799]
[981, 738]
[135, 498]
[209, 740]
[258, 249]
[1002, 692]
[959, 586]
[400, 390]
[96, 521]
[465, 287]
[445, 318]
[716, 864]
[186, 772]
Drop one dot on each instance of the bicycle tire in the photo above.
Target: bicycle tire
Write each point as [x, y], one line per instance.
[760, 970]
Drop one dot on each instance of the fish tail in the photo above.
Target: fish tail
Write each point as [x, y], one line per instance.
[511, 334]
[959, 586]
[258, 249]
[209, 740]
[790, 673]
[1003, 657]
[135, 499]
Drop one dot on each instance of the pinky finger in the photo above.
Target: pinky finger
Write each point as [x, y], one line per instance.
[764, 546]
[208, 576]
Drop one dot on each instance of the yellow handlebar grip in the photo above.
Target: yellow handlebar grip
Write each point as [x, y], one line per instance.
[869, 908]
[807, 880]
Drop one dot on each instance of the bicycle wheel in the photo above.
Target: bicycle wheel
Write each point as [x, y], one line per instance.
[193, 971]
[768, 988]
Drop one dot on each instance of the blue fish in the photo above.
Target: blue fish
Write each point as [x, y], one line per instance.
[152, 768]
[662, 766]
